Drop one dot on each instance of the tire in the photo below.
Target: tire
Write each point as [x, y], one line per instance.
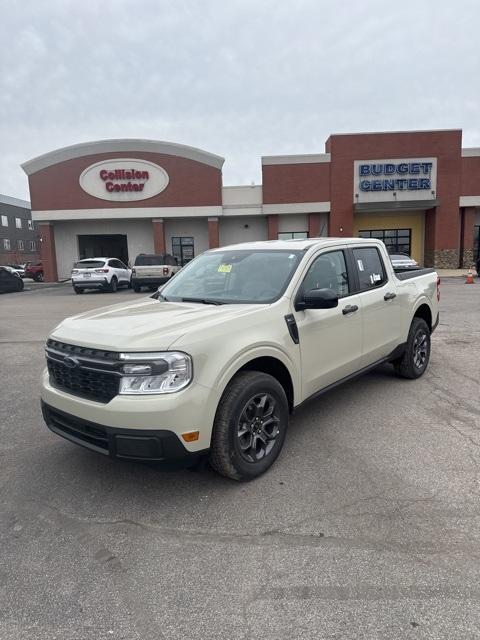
[240, 457]
[113, 286]
[136, 288]
[20, 286]
[78, 290]
[38, 277]
[414, 361]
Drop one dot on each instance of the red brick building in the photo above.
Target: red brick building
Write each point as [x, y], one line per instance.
[418, 191]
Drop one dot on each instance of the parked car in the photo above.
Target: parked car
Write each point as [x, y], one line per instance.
[401, 261]
[34, 270]
[19, 268]
[10, 280]
[215, 362]
[153, 270]
[105, 274]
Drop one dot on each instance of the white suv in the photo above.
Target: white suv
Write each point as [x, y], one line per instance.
[106, 274]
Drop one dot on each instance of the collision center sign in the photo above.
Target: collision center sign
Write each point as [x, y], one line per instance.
[398, 179]
[124, 179]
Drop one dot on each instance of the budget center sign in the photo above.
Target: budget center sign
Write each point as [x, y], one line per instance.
[397, 179]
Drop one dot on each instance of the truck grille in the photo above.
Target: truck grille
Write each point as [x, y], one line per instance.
[89, 373]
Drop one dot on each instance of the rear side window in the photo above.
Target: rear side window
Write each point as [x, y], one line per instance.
[371, 272]
[149, 261]
[89, 264]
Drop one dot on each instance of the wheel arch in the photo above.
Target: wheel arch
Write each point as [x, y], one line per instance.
[424, 312]
[275, 368]
[267, 360]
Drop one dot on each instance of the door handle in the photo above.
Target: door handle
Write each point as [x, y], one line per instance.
[389, 296]
[351, 308]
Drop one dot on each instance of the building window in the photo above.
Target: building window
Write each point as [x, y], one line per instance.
[293, 235]
[183, 249]
[30, 225]
[18, 223]
[4, 221]
[20, 245]
[32, 246]
[6, 244]
[396, 240]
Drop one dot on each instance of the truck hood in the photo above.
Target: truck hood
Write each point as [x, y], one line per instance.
[146, 325]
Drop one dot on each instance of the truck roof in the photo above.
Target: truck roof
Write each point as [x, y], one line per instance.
[299, 245]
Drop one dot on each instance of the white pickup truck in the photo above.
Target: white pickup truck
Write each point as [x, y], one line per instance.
[214, 363]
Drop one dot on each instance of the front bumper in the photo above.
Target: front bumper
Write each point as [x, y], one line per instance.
[190, 409]
[139, 445]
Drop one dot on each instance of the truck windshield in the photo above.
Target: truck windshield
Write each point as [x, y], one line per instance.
[233, 277]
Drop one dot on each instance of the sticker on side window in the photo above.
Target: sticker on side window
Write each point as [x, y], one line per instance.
[376, 277]
[224, 268]
[360, 265]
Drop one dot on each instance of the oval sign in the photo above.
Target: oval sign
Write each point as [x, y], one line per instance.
[124, 179]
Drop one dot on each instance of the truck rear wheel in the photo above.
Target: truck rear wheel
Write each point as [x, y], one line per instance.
[415, 359]
[250, 426]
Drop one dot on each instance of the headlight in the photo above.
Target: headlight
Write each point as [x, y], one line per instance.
[147, 373]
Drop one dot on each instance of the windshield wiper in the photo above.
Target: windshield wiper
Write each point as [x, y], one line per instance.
[202, 300]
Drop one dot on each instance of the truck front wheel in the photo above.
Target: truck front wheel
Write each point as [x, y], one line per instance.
[250, 426]
[415, 359]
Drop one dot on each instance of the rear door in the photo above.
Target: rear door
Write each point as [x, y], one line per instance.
[330, 339]
[116, 266]
[124, 270]
[379, 303]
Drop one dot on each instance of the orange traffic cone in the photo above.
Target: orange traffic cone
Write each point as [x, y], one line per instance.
[469, 279]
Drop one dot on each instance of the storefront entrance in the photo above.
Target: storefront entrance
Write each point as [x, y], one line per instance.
[183, 249]
[105, 246]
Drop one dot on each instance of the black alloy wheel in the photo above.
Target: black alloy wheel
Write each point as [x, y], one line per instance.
[250, 426]
[258, 427]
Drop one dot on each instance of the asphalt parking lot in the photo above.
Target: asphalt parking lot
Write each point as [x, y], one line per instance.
[367, 526]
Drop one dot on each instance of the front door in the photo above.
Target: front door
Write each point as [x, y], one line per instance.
[330, 339]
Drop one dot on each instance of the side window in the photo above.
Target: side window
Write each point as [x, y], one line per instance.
[328, 271]
[371, 272]
[120, 264]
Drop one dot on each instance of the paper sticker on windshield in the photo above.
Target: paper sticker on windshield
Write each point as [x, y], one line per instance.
[360, 265]
[224, 268]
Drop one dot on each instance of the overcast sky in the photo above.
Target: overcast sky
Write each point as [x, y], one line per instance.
[240, 78]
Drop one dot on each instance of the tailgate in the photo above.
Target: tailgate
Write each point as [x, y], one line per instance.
[151, 271]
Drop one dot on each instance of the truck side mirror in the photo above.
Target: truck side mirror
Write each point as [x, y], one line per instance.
[318, 299]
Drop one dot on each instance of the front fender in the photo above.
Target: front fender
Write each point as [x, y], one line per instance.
[250, 353]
